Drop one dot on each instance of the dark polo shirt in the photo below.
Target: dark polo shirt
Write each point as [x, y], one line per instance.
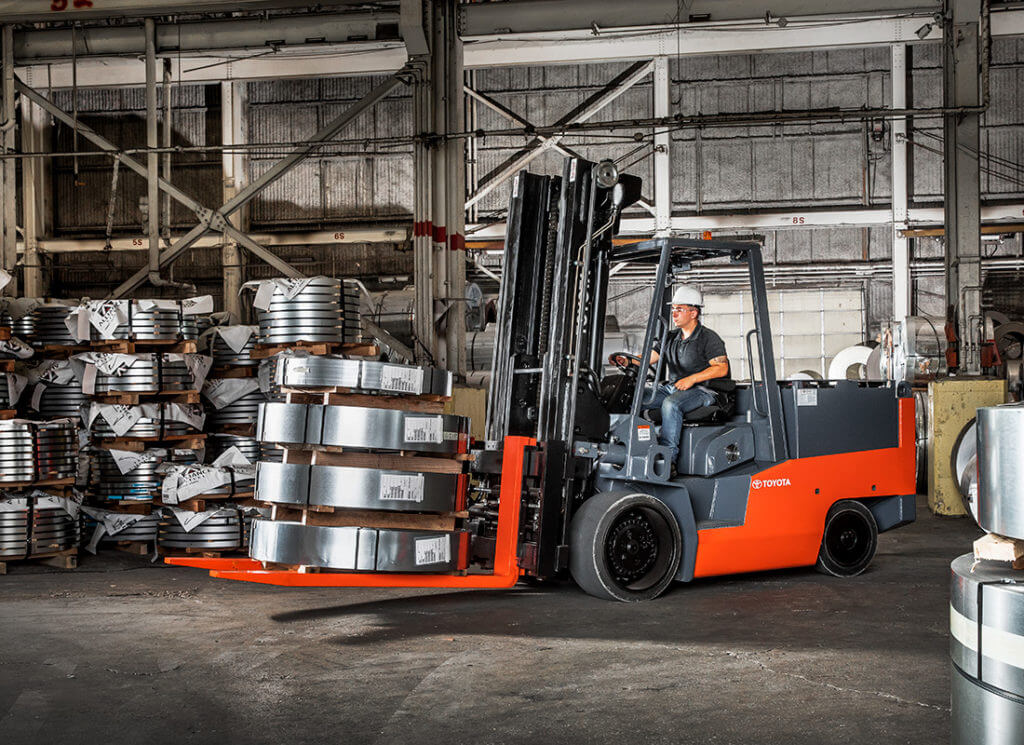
[688, 356]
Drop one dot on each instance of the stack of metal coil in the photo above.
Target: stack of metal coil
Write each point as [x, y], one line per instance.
[217, 444]
[222, 531]
[241, 412]
[147, 425]
[157, 325]
[56, 401]
[224, 356]
[56, 449]
[5, 394]
[314, 314]
[175, 375]
[45, 326]
[17, 452]
[14, 529]
[144, 529]
[107, 483]
[53, 529]
[353, 323]
[142, 377]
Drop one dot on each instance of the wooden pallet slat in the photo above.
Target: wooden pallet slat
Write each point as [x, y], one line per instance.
[319, 348]
[65, 559]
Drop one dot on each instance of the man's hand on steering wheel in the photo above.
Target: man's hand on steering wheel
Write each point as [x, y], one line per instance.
[629, 364]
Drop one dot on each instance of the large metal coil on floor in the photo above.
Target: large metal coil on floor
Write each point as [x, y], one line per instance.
[45, 326]
[223, 355]
[360, 488]
[358, 549]
[362, 428]
[106, 482]
[986, 624]
[14, 531]
[217, 444]
[17, 452]
[145, 426]
[222, 531]
[1000, 505]
[304, 371]
[314, 314]
[56, 401]
[242, 411]
[53, 530]
[56, 449]
[157, 325]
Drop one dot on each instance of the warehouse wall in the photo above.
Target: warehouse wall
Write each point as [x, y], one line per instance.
[716, 170]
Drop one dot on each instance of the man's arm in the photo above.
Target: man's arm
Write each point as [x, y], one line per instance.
[654, 358]
[717, 368]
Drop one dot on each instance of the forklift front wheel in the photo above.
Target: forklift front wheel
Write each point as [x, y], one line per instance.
[625, 546]
[850, 539]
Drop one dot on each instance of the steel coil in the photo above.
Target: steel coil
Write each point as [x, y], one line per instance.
[157, 325]
[357, 549]
[304, 371]
[107, 483]
[359, 488]
[56, 449]
[142, 377]
[142, 530]
[362, 428]
[176, 376]
[222, 531]
[14, 532]
[145, 426]
[986, 623]
[217, 444]
[17, 452]
[56, 402]
[1000, 444]
[240, 412]
[271, 453]
[53, 530]
[45, 326]
[314, 314]
[223, 355]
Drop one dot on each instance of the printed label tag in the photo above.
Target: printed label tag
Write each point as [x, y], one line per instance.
[236, 337]
[223, 391]
[127, 460]
[423, 429]
[401, 487]
[807, 397]
[433, 550]
[120, 418]
[192, 306]
[643, 433]
[401, 379]
[107, 316]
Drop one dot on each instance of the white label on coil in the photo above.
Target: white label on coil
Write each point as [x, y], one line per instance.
[401, 487]
[192, 306]
[433, 550]
[807, 397]
[423, 429]
[401, 379]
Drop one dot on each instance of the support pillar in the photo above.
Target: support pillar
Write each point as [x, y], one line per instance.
[37, 220]
[232, 111]
[152, 156]
[960, 66]
[901, 280]
[662, 151]
[9, 248]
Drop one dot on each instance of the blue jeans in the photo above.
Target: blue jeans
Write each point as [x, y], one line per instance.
[674, 405]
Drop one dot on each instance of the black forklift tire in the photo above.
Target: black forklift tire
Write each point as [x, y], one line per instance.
[850, 539]
[625, 546]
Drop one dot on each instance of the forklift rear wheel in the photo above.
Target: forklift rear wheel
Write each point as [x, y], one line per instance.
[625, 546]
[850, 539]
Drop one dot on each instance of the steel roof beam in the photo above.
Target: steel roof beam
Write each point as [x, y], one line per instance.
[40, 11]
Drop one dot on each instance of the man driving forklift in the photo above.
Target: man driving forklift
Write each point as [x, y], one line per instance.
[694, 354]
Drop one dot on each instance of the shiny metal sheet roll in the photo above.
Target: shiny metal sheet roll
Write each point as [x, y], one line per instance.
[242, 411]
[307, 371]
[363, 428]
[142, 377]
[45, 327]
[359, 488]
[271, 453]
[17, 452]
[55, 401]
[157, 325]
[216, 444]
[314, 314]
[223, 355]
[986, 623]
[358, 549]
[1000, 507]
[106, 482]
[53, 530]
[175, 375]
[5, 394]
[56, 449]
[14, 532]
[222, 531]
[144, 529]
[145, 426]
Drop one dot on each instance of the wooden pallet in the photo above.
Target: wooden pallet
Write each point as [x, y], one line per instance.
[131, 346]
[262, 351]
[203, 502]
[239, 430]
[332, 517]
[232, 371]
[428, 404]
[138, 444]
[127, 507]
[6, 414]
[135, 548]
[7, 365]
[67, 559]
[205, 553]
[41, 482]
[134, 399]
[5, 333]
[323, 455]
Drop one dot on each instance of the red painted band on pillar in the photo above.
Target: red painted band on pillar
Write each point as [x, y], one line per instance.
[458, 242]
[421, 228]
[440, 234]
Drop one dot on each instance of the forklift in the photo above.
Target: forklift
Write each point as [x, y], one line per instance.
[572, 481]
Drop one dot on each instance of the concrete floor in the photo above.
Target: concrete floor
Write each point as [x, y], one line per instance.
[124, 651]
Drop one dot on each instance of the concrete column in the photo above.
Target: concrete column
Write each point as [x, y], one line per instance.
[9, 250]
[232, 107]
[662, 153]
[901, 281]
[37, 219]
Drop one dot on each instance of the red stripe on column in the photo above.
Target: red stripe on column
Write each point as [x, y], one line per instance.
[440, 234]
[458, 242]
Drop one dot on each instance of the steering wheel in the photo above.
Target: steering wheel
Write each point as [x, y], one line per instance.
[629, 364]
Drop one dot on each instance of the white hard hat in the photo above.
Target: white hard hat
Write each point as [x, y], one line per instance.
[687, 295]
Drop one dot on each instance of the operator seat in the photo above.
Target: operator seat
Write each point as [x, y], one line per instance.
[717, 412]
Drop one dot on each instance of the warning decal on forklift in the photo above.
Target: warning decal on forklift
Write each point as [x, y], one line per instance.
[423, 429]
[807, 397]
[433, 550]
[401, 487]
[643, 432]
